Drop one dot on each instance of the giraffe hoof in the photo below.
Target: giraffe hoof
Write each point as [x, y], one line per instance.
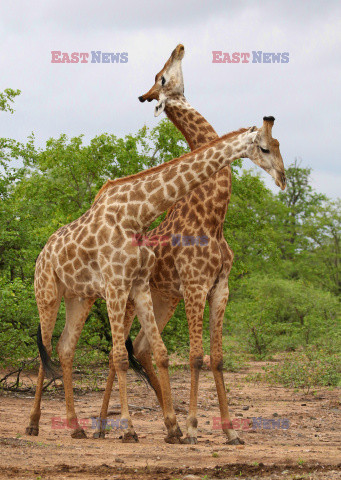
[173, 439]
[174, 436]
[99, 434]
[78, 433]
[189, 440]
[130, 438]
[235, 441]
[32, 431]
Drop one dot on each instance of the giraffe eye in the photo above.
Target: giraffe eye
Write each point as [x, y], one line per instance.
[163, 80]
[264, 150]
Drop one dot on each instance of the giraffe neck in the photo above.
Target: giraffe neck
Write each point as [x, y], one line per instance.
[194, 127]
[155, 190]
[217, 192]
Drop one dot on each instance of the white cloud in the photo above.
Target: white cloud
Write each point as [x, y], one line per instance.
[327, 183]
[323, 182]
[303, 95]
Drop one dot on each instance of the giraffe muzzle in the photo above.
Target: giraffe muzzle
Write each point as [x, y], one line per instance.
[281, 181]
[147, 96]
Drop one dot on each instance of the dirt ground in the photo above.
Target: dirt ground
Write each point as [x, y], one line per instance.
[309, 449]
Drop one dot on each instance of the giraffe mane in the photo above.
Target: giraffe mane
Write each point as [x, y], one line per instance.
[158, 168]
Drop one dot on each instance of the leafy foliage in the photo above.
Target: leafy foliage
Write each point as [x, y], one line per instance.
[284, 283]
[305, 369]
[6, 98]
[279, 314]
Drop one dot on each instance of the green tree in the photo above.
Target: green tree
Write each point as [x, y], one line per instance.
[287, 246]
[320, 262]
[251, 226]
[7, 98]
[51, 187]
[302, 203]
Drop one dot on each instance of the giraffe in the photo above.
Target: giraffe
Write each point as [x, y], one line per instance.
[182, 271]
[95, 257]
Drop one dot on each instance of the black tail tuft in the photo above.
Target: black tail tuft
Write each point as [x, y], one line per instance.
[135, 364]
[44, 356]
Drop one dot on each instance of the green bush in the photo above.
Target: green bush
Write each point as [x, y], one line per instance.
[305, 369]
[18, 321]
[271, 314]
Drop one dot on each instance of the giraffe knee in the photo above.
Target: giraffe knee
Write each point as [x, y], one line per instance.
[161, 358]
[122, 365]
[217, 364]
[196, 361]
[121, 362]
[164, 362]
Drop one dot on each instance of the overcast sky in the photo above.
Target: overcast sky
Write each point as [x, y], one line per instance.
[303, 95]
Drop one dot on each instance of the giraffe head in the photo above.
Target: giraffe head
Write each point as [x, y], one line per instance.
[168, 81]
[263, 150]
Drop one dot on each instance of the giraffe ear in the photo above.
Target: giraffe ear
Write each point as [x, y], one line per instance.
[252, 134]
[161, 105]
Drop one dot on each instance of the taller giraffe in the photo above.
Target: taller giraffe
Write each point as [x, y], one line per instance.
[191, 272]
[94, 257]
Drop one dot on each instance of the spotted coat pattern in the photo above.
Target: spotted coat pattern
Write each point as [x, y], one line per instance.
[195, 273]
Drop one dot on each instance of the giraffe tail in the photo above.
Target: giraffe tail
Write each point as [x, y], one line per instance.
[46, 361]
[136, 365]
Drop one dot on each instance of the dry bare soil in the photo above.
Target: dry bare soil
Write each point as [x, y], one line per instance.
[309, 449]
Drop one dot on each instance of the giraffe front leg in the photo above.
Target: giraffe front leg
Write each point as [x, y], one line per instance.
[77, 311]
[144, 310]
[101, 424]
[116, 305]
[195, 299]
[217, 303]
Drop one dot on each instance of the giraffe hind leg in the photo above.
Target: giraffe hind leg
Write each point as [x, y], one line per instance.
[48, 314]
[77, 310]
[102, 421]
[163, 310]
[145, 314]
